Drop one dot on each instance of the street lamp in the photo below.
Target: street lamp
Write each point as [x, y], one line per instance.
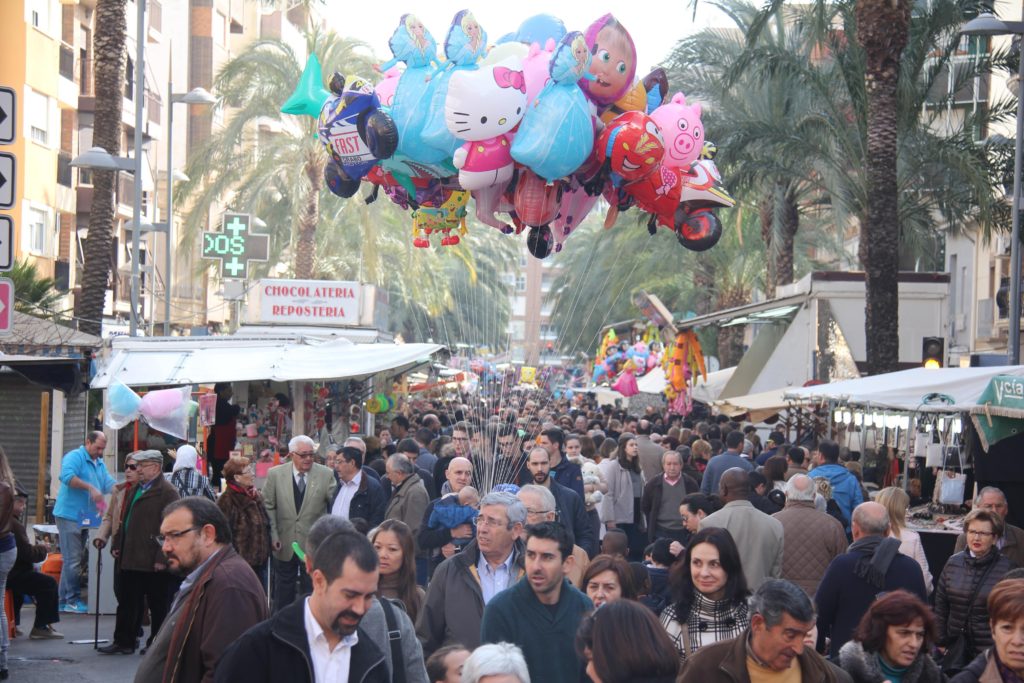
[194, 96]
[988, 24]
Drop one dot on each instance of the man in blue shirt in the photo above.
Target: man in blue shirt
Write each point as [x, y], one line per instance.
[724, 461]
[845, 487]
[84, 481]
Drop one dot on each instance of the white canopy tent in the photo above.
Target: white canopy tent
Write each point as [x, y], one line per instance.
[654, 382]
[172, 361]
[907, 389]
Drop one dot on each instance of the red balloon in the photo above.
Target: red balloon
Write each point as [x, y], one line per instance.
[536, 202]
[632, 145]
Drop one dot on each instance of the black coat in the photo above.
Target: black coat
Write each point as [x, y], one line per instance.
[572, 513]
[278, 650]
[369, 502]
[956, 582]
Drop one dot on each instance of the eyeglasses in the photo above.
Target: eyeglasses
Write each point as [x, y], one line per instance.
[133, 466]
[537, 512]
[303, 455]
[173, 535]
[980, 534]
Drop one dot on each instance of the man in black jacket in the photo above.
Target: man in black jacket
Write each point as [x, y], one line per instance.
[359, 495]
[572, 513]
[319, 638]
[25, 580]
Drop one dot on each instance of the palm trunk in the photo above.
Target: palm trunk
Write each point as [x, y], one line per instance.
[309, 217]
[766, 213]
[730, 339]
[788, 225]
[882, 30]
[109, 66]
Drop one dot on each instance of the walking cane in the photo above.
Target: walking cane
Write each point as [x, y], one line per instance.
[99, 570]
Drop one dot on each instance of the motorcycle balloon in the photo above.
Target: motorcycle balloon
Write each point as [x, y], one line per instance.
[698, 230]
[339, 183]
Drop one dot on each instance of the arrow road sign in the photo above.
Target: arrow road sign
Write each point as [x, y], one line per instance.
[8, 108]
[6, 306]
[6, 243]
[8, 173]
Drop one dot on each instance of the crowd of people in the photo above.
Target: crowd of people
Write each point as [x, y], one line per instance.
[540, 542]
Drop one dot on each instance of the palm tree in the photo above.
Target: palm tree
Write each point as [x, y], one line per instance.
[278, 176]
[108, 74]
[35, 295]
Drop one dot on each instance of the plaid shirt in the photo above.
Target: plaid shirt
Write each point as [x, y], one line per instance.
[190, 482]
[709, 622]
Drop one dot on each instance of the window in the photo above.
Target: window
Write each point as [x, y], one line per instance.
[36, 226]
[38, 117]
[38, 14]
[521, 282]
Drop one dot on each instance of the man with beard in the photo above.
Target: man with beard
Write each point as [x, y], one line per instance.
[317, 639]
[572, 513]
[219, 600]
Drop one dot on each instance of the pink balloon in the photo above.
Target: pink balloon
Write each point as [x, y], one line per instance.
[386, 88]
[160, 404]
[535, 69]
[574, 207]
[489, 201]
[681, 127]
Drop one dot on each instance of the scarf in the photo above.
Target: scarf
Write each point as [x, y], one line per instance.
[250, 492]
[1007, 674]
[879, 553]
[185, 457]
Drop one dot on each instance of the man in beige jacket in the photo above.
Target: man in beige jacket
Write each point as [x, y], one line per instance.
[296, 494]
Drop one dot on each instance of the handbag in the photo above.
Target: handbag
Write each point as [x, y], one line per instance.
[960, 652]
[951, 485]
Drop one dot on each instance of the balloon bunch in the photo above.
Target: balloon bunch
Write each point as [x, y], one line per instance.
[167, 410]
[536, 129]
[380, 403]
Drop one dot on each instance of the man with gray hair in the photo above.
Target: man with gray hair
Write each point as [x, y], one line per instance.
[496, 661]
[872, 566]
[296, 494]
[409, 496]
[464, 583]
[541, 507]
[813, 538]
[772, 648]
[1011, 543]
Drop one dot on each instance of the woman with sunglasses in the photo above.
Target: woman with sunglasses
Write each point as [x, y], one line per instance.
[112, 517]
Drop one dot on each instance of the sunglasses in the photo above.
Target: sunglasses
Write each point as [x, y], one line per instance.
[133, 466]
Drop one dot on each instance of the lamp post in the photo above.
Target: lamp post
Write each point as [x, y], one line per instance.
[987, 24]
[194, 96]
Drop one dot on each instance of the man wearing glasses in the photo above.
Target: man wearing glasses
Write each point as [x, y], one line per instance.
[296, 494]
[143, 566]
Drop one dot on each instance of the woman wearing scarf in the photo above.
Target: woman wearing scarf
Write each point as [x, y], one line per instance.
[1004, 662]
[186, 478]
[242, 504]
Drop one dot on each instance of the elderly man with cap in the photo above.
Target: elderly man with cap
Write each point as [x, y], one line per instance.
[23, 578]
[142, 563]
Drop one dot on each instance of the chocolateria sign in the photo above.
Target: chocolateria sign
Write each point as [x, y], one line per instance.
[310, 302]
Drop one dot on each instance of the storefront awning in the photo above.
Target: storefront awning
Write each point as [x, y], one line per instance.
[172, 361]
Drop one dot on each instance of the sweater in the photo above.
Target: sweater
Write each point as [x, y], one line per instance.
[544, 635]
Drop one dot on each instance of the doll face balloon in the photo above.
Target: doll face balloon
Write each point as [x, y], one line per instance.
[614, 60]
[681, 127]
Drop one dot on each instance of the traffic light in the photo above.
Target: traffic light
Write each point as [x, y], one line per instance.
[933, 352]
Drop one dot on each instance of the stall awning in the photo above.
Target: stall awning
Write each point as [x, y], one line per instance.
[906, 390]
[760, 406]
[173, 361]
[761, 312]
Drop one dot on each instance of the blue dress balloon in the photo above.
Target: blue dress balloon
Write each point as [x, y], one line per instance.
[465, 44]
[557, 133]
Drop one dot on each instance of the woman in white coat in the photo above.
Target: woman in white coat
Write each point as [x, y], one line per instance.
[896, 501]
[620, 507]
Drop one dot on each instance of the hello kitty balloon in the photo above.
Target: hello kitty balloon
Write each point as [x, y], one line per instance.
[482, 106]
[681, 127]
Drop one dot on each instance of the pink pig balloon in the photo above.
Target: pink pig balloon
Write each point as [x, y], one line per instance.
[681, 127]
[386, 88]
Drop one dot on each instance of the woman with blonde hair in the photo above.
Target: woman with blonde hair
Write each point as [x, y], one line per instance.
[896, 502]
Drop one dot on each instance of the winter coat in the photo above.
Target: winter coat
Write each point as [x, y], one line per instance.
[650, 502]
[368, 503]
[278, 650]
[863, 666]
[454, 606]
[250, 525]
[408, 503]
[726, 662]
[617, 505]
[758, 537]
[983, 669]
[112, 517]
[959, 578]
[140, 524]
[813, 540]
[1013, 544]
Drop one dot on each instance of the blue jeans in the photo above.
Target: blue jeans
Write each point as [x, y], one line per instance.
[7, 559]
[72, 545]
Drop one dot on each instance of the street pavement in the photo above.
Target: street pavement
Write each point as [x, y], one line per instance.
[53, 661]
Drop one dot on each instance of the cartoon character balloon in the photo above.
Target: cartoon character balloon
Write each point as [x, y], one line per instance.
[482, 107]
[557, 134]
[614, 61]
[681, 127]
[465, 45]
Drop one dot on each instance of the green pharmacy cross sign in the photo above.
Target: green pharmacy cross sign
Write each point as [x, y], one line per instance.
[236, 246]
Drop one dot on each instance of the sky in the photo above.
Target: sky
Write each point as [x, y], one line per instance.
[655, 27]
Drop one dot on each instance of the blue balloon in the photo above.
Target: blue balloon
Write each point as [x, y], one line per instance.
[557, 133]
[537, 29]
[412, 43]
